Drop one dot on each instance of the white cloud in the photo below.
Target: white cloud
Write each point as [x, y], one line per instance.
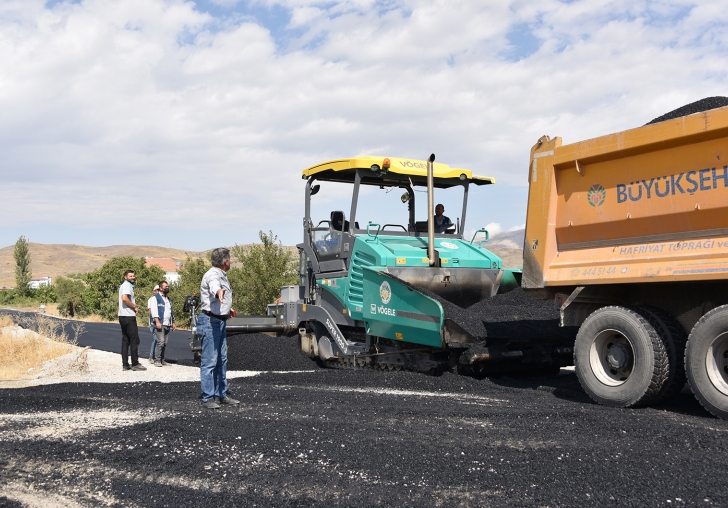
[493, 228]
[106, 101]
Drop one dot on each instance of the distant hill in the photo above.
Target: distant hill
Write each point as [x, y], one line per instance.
[508, 239]
[508, 246]
[62, 259]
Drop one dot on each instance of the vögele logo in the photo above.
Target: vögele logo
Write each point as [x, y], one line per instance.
[596, 195]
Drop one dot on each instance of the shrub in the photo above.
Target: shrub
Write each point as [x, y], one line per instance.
[70, 297]
[102, 294]
[265, 268]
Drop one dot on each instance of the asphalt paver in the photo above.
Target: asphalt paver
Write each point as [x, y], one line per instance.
[357, 438]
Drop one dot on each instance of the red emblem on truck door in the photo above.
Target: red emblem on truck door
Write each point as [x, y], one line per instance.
[596, 195]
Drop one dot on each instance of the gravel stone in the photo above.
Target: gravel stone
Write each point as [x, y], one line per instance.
[692, 108]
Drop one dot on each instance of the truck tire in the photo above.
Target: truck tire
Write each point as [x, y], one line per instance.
[706, 361]
[620, 359]
[675, 339]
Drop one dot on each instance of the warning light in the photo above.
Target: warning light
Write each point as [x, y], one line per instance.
[386, 164]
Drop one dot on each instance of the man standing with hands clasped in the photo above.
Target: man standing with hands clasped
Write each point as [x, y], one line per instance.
[216, 299]
[152, 302]
[127, 319]
[163, 322]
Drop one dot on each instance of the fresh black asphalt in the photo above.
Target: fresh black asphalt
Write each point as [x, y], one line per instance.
[365, 438]
[335, 437]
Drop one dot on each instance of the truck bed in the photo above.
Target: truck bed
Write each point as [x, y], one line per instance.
[647, 204]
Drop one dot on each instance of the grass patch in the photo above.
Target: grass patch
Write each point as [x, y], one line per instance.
[22, 350]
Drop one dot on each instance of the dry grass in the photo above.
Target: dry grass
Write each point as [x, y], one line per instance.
[22, 352]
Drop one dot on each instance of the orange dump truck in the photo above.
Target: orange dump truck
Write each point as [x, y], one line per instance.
[629, 234]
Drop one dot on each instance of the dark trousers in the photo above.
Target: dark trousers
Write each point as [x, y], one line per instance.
[129, 340]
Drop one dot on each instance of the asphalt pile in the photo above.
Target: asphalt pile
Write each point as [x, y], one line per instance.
[692, 108]
[255, 351]
[517, 315]
[513, 315]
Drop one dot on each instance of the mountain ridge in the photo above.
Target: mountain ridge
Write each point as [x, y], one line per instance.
[56, 259]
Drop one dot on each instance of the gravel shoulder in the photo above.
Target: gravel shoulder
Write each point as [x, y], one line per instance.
[86, 365]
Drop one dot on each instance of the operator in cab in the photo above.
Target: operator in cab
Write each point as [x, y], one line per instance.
[442, 222]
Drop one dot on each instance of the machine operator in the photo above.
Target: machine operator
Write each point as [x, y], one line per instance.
[442, 222]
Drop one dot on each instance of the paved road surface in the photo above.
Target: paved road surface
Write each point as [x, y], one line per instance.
[355, 438]
[351, 438]
[107, 337]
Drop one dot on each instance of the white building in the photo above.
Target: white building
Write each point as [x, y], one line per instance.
[169, 265]
[37, 282]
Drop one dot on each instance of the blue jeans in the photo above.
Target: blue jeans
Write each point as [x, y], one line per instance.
[213, 361]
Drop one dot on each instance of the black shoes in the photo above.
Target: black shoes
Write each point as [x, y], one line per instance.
[138, 366]
[126, 367]
[216, 403]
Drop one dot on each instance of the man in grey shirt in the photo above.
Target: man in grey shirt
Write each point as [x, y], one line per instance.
[127, 319]
[216, 299]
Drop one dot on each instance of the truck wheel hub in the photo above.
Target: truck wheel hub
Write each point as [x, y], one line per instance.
[618, 356]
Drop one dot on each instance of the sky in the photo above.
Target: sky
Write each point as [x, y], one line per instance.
[187, 124]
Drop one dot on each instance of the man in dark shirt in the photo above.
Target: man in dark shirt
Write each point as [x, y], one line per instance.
[442, 222]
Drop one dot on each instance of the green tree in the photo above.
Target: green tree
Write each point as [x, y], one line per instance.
[102, 293]
[22, 266]
[45, 293]
[266, 267]
[70, 297]
[190, 277]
